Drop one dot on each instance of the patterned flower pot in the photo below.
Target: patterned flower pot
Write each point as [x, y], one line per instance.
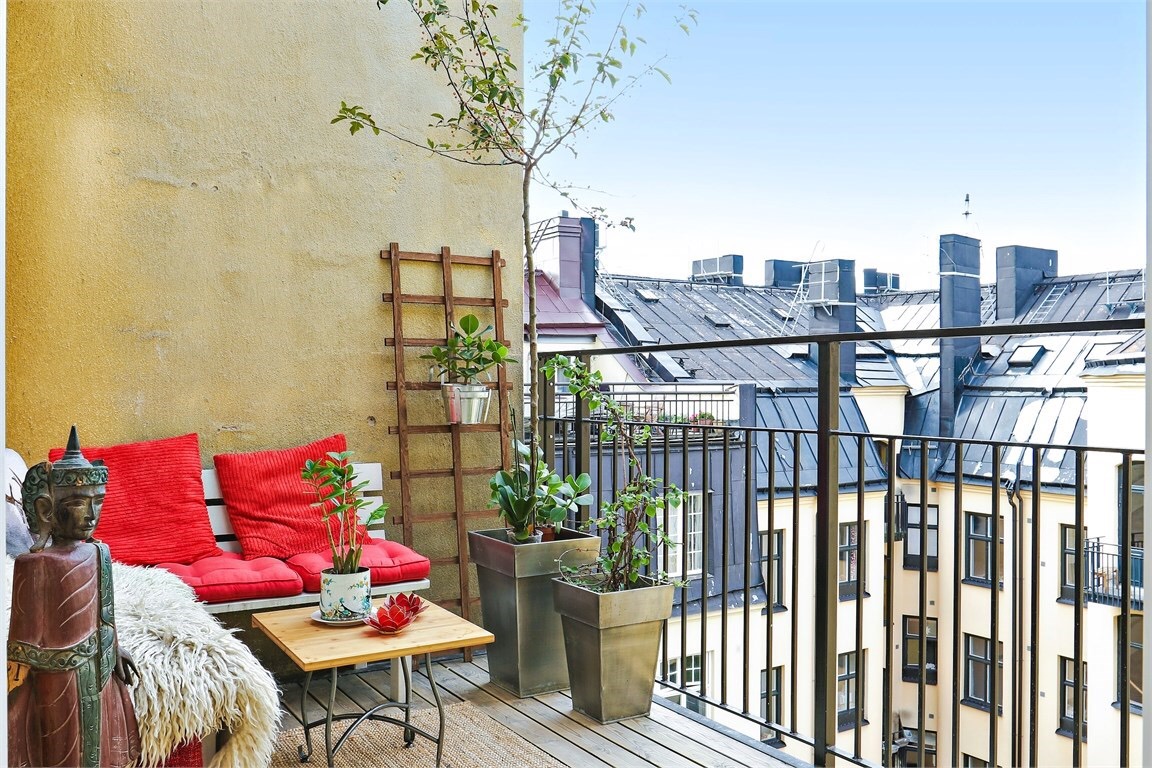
[345, 596]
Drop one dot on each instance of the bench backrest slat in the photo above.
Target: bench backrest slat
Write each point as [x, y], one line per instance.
[372, 473]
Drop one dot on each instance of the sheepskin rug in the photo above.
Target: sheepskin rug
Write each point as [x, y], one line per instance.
[195, 677]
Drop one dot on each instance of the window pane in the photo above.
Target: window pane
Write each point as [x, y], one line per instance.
[978, 560]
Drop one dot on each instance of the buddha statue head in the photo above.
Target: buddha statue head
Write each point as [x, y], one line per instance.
[63, 499]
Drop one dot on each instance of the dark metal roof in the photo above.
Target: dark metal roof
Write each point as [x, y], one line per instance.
[794, 411]
[669, 311]
[1032, 397]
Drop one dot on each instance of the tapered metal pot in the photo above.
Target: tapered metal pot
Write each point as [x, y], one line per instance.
[527, 657]
[612, 640]
[465, 403]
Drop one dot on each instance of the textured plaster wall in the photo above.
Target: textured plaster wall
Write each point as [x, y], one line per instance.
[192, 247]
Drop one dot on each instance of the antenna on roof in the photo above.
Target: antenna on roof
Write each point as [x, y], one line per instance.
[967, 212]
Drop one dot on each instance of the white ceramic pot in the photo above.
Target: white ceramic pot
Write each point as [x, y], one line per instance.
[345, 596]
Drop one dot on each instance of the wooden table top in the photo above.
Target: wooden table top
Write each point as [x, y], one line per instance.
[314, 646]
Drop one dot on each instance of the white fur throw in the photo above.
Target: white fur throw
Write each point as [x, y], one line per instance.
[195, 677]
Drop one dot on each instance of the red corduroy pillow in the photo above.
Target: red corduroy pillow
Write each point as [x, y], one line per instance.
[154, 509]
[268, 503]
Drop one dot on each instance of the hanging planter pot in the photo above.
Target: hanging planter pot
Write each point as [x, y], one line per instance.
[465, 403]
[459, 363]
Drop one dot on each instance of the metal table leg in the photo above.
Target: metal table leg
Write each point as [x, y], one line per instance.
[410, 731]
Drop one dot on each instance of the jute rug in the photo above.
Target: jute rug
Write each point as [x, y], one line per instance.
[471, 740]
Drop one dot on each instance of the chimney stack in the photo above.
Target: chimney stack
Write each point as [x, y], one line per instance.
[832, 302]
[1019, 269]
[779, 273]
[567, 254]
[724, 270]
[959, 307]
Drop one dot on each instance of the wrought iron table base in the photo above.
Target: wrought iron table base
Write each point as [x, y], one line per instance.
[410, 731]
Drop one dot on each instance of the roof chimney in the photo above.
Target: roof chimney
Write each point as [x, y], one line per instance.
[877, 282]
[725, 270]
[959, 307]
[779, 273]
[566, 252]
[831, 295]
[1019, 269]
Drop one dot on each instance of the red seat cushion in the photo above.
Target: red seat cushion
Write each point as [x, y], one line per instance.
[154, 510]
[228, 577]
[268, 503]
[390, 562]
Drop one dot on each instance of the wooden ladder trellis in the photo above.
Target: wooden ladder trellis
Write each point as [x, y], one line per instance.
[409, 517]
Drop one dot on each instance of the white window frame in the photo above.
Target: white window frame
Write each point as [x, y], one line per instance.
[687, 532]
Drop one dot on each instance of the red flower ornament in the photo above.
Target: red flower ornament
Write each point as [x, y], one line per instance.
[395, 613]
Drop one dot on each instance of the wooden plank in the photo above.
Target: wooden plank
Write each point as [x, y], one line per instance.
[733, 748]
[414, 474]
[401, 398]
[479, 261]
[549, 734]
[643, 745]
[591, 740]
[433, 386]
[433, 299]
[415, 342]
[443, 429]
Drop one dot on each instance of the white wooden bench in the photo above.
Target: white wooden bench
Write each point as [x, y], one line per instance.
[373, 474]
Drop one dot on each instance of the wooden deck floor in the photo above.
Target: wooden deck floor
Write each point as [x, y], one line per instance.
[666, 738]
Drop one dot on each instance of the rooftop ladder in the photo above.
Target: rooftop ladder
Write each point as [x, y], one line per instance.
[1044, 308]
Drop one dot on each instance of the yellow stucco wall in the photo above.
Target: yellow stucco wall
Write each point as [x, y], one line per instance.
[192, 247]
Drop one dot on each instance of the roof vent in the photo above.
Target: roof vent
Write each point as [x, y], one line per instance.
[649, 296]
[1025, 356]
[720, 321]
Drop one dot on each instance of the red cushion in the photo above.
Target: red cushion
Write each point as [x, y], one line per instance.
[390, 562]
[229, 577]
[154, 509]
[188, 754]
[268, 503]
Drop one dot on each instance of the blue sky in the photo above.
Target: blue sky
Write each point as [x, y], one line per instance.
[854, 130]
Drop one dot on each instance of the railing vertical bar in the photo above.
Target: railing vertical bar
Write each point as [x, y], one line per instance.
[994, 640]
[751, 528]
[546, 409]
[1034, 608]
[705, 546]
[581, 414]
[666, 523]
[957, 594]
[795, 578]
[725, 549]
[889, 548]
[827, 494]
[863, 569]
[1017, 625]
[685, 473]
[1078, 607]
[1125, 604]
[770, 576]
[922, 600]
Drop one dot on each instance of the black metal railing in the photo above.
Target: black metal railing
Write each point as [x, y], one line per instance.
[820, 614]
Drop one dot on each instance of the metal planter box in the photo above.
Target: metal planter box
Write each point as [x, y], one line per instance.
[527, 657]
[612, 641]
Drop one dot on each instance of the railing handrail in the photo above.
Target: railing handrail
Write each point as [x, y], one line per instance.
[995, 329]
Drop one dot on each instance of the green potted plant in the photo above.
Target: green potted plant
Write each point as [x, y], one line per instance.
[530, 495]
[345, 588]
[459, 363]
[613, 608]
[515, 571]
